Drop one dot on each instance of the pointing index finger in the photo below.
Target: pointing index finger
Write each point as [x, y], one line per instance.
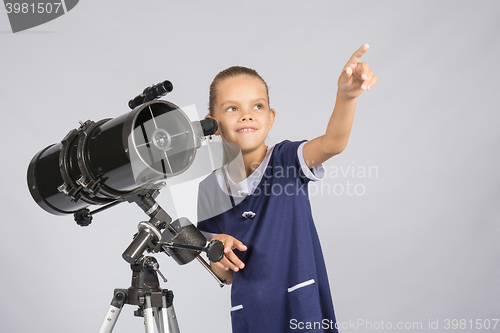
[357, 55]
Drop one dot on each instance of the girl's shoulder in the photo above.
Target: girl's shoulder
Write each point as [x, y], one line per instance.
[287, 151]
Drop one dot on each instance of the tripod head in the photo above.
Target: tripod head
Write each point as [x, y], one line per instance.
[180, 238]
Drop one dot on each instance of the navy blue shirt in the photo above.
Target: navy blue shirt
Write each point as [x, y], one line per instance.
[284, 285]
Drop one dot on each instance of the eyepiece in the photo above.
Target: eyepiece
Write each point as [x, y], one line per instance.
[163, 88]
[151, 93]
[209, 126]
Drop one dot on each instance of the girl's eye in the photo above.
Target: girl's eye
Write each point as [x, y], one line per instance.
[258, 107]
[231, 109]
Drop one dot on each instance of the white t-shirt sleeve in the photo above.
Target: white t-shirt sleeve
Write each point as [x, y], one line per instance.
[208, 235]
[317, 173]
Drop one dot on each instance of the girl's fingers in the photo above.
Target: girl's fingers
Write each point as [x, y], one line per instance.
[220, 264]
[226, 264]
[362, 70]
[348, 72]
[235, 261]
[372, 82]
[365, 85]
[363, 73]
[358, 54]
[240, 246]
[230, 261]
[232, 243]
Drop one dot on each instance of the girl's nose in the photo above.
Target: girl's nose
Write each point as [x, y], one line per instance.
[247, 115]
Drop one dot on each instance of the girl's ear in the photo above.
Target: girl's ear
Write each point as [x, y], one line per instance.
[272, 115]
[209, 116]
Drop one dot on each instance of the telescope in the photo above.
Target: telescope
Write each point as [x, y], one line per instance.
[107, 161]
[129, 159]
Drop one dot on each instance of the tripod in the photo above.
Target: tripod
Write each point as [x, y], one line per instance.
[145, 291]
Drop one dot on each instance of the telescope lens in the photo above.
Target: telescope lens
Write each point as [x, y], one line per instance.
[162, 143]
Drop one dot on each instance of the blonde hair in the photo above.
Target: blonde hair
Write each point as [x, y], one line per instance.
[227, 73]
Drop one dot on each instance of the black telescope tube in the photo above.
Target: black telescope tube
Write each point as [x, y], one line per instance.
[98, 164]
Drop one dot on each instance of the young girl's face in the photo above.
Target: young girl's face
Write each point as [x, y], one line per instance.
[242, 111]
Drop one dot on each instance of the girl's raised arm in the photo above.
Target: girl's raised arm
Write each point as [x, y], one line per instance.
[356, 77]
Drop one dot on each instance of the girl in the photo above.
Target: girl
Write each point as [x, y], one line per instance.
[259, 207]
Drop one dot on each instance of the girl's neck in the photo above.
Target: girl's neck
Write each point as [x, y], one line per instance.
[241, 164]
[253, 159]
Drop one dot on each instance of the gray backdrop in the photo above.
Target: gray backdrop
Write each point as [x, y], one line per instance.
[408, 215]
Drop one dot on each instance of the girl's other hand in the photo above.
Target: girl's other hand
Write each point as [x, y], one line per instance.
[356, 76]
[230, 259]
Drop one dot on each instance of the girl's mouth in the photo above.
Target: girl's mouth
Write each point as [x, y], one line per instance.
[246, 130]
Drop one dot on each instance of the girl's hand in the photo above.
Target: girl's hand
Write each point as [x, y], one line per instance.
[230, 259]
[356, 76]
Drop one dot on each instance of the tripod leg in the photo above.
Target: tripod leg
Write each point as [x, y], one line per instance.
[161, 317]
[113, 312]
[172, 319]
[148, 316]
[161, 314]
